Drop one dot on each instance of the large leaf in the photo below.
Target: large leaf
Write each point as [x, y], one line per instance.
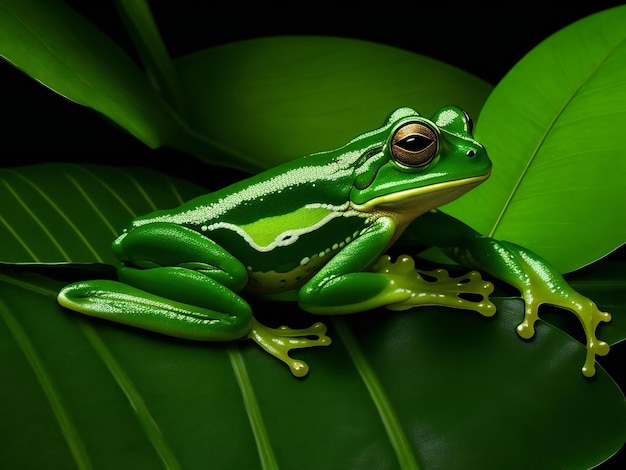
[62, 213]
[277, 98]
[277, 92]
[81, 392]
[142, 28]
[402, 390]
[51, 43]
[553, 128]
[394, 390]
[54, 45]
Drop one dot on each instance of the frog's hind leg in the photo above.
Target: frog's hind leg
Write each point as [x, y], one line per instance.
[178, 282]
[129, 305]
[162, 244]
[174, 281]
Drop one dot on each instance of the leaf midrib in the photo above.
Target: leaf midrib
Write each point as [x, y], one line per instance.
[389, 418]
[266, 454]
[542, 140]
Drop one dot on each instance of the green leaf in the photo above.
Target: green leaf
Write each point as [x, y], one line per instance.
[410, 388]
[273, 99]
[289, 96]
[57, 47]
[431, 388]
[117, 396]
[142, 28]
[553, 128]
[53, 213]
[54, 45]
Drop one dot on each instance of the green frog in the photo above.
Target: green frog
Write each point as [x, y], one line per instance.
[315, 230]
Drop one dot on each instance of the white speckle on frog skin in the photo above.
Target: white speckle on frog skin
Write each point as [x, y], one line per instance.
[333, 171]
[289, 237]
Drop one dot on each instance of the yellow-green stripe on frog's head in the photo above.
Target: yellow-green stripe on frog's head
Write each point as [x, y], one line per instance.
[422, 164]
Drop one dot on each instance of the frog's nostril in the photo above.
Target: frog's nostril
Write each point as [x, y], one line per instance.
[471, 153]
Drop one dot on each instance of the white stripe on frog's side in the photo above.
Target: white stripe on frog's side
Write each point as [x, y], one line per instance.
[289, 237]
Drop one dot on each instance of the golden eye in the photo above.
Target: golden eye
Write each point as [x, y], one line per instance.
[415, 144]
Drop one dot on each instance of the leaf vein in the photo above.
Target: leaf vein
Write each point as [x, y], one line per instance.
[89, 201]
[68, 429]
[63, 216]
[20, 240]
[110, 190]
[266, 454]
[388, 416]
[36, 219]
[541, 141]
[175, 191]
[151, 428]
[142, 191]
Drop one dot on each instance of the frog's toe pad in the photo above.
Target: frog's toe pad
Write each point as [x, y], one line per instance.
[526, 329]
[280, 341]
[436, 287]
[588, 314]
[596, 348]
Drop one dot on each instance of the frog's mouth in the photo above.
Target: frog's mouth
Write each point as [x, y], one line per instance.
[411, 203]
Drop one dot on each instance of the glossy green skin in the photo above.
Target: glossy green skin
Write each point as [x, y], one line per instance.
[286, 223]
[308, 230]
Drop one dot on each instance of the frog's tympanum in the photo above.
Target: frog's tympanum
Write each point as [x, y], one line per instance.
[315, 230]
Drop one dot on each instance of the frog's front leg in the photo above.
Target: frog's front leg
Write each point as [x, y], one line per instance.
[346, 284]
[351, 282]
[175, 281]
[342, 285]
[538, 281]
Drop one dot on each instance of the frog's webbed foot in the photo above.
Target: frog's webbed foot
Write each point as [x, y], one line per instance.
[280, 341]
[586, 311]
[540, 283]
[436, 287]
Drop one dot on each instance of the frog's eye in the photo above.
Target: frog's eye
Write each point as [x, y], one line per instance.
[415, 144]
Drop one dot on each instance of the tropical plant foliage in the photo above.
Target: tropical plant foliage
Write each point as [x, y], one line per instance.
[427, 388]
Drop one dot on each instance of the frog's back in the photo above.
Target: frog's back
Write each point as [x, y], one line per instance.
[318, 178]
